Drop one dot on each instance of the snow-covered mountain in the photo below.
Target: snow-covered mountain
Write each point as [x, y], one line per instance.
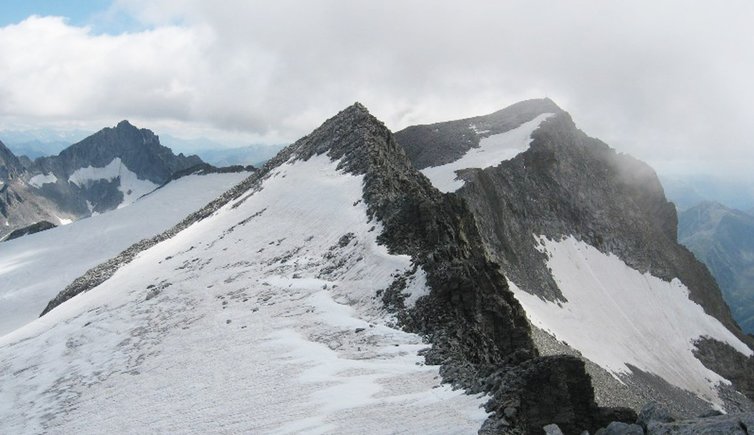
[723, 238]
[588, 243]
[107, 170]
[20, 205]
[332, 291]
[350, 285]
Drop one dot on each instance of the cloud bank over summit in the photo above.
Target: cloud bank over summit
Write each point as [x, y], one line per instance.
[668, 83]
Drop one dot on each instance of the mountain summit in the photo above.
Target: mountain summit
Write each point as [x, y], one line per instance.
[139, 150]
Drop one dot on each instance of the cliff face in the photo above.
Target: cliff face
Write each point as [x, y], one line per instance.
[562, 187]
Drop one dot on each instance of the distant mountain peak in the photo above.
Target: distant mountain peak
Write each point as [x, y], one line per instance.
[534, 105]
[353, 135]
[125, 124]
[9, 163]
[358, 107]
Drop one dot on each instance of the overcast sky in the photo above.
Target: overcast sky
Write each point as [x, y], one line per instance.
[667, 81]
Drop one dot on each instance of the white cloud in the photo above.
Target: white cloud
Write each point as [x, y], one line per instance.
[656, 80]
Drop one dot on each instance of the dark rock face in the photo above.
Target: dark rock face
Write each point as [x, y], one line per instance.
[206, 168]
[724, 360]
[552, 390]
[723, 239]
[567, 183]
[479, 331]
[139, 150]
[31, 229]
[10, 166]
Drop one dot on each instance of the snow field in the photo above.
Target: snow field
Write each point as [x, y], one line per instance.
[252, 320]
[34, 268]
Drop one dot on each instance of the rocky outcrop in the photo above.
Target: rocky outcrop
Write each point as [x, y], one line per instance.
[206, 168]
[10, 165]
[654, 419]
[31, 229]
[549, 390]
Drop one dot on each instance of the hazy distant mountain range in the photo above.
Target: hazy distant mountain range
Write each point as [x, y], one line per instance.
[41, 143]
[723, 238]
[687, 192]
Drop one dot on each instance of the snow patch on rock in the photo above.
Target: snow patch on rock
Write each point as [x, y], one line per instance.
[41, 179]
[616, 315]
[492, 151]
[131, 186]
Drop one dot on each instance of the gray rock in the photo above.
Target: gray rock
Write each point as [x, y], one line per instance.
[618, 428]
[509, 412]
[552, 429]
[724, 424]
[653, 412]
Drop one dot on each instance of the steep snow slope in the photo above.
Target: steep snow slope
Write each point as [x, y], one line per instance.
[261, 318]
[492, 150]
[615, 316]
[33, 269]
